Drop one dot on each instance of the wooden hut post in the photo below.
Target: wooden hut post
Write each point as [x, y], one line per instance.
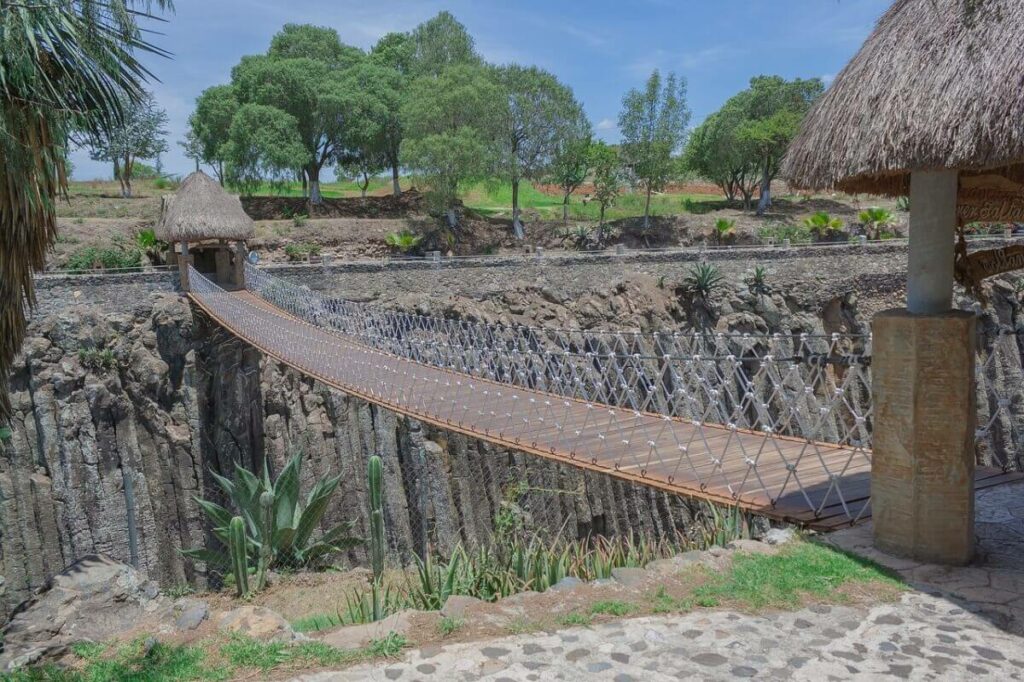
[922, 476]
[183, 263]
[240, 257]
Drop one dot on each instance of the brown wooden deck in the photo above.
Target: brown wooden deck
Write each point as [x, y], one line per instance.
[818, 485]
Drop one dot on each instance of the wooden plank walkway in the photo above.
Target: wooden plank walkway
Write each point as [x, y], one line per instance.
[817, 485]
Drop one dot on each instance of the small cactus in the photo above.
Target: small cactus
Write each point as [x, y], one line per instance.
[266, 532]
[238, 546]
[375, 478]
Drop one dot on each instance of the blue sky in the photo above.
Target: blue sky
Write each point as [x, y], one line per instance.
[600, 48]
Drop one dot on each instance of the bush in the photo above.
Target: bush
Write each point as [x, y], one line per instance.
[119, 255]
[299, 219]
[823, 226]
[404, 241]
[301, 251]
[169, 183]
[779, 232]
[96, 358]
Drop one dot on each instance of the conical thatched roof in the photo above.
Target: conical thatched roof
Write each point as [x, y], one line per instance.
[939, 84]
[201, 209]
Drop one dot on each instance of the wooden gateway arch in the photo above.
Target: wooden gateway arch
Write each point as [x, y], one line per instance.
[778, 426]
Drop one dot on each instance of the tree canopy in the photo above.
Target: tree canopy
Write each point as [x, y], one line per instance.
[541, 115]
[653, 123]
[440, 43]
[452, 129]
[141, 133]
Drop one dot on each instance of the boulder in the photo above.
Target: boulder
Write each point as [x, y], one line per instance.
[190, 613]
[630, 576]
[456, 605]
[358, 636]
[779, 536]
[94, 599]
[752, 547]
[567, 583]
[259, 623]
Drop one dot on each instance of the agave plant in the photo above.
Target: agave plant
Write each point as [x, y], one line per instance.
[757, 283]
[404, 241]
[724, 229]
[823, 225]
[288, 531]
[875, 221]
[702, 280]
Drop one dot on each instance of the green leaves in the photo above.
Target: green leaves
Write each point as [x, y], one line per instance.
[263, 142]
[275, 516]
[653, 123]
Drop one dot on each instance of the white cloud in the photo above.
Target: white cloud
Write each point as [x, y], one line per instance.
[827, 78]
[605, 124]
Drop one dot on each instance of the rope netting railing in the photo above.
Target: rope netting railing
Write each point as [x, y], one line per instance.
[813, 387]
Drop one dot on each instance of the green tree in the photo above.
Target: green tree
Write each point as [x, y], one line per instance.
[303, 75]
[542, 114]
[452, 132]
[571, 163]
[392, 56]
[192, 148]
[772, 109]
[440, 43]
[607, 178]
[210, 122]
[396, 51]
[653, 123]
[62, 65]
[263, 143]
[715, 152]
[141, 133]
[319, 43]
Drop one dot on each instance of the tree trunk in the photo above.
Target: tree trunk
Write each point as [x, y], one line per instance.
[565, 207]
[315, 198]
[517, 226]
[765, 202]
[126, 179]
[453, 218]
[396, 188]
[600, 220]
[647, 211]
[364, 186]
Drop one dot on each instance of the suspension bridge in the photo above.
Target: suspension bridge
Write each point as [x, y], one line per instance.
[778, 425]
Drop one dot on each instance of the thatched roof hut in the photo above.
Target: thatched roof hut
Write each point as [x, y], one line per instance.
[202, 210]
[939, 84]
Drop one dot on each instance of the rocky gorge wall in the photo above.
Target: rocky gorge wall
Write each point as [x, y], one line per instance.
[127, 398]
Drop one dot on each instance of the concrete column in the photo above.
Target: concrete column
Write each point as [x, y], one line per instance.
[922, 475]
[932, 233]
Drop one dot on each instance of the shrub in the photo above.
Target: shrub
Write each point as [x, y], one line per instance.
[823, 226]
[301, 251]
[903, 204]
[724, 229]
[299, 219]
[289, 531]
[779, 232]
[757, 283]
[119, 255]
[404, 241]
[167, 183]
[876, 221]
[578, 237]
[96, 358]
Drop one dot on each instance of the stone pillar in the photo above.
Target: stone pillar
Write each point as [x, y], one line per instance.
[932, 241]
[922, 475]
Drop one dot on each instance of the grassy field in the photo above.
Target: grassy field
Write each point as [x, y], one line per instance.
[495, 199]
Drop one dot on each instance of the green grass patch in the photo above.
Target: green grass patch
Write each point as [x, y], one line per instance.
[611, 608]
[317, 622]
[782, 580]
[576, 619]
[448, 625]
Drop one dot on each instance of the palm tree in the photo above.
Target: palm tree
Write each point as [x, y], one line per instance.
[823, 226]
[65, 65]
[724, 229]
[875, 220]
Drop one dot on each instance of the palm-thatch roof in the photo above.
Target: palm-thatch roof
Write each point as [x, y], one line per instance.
[939, 84]
[200, 210]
